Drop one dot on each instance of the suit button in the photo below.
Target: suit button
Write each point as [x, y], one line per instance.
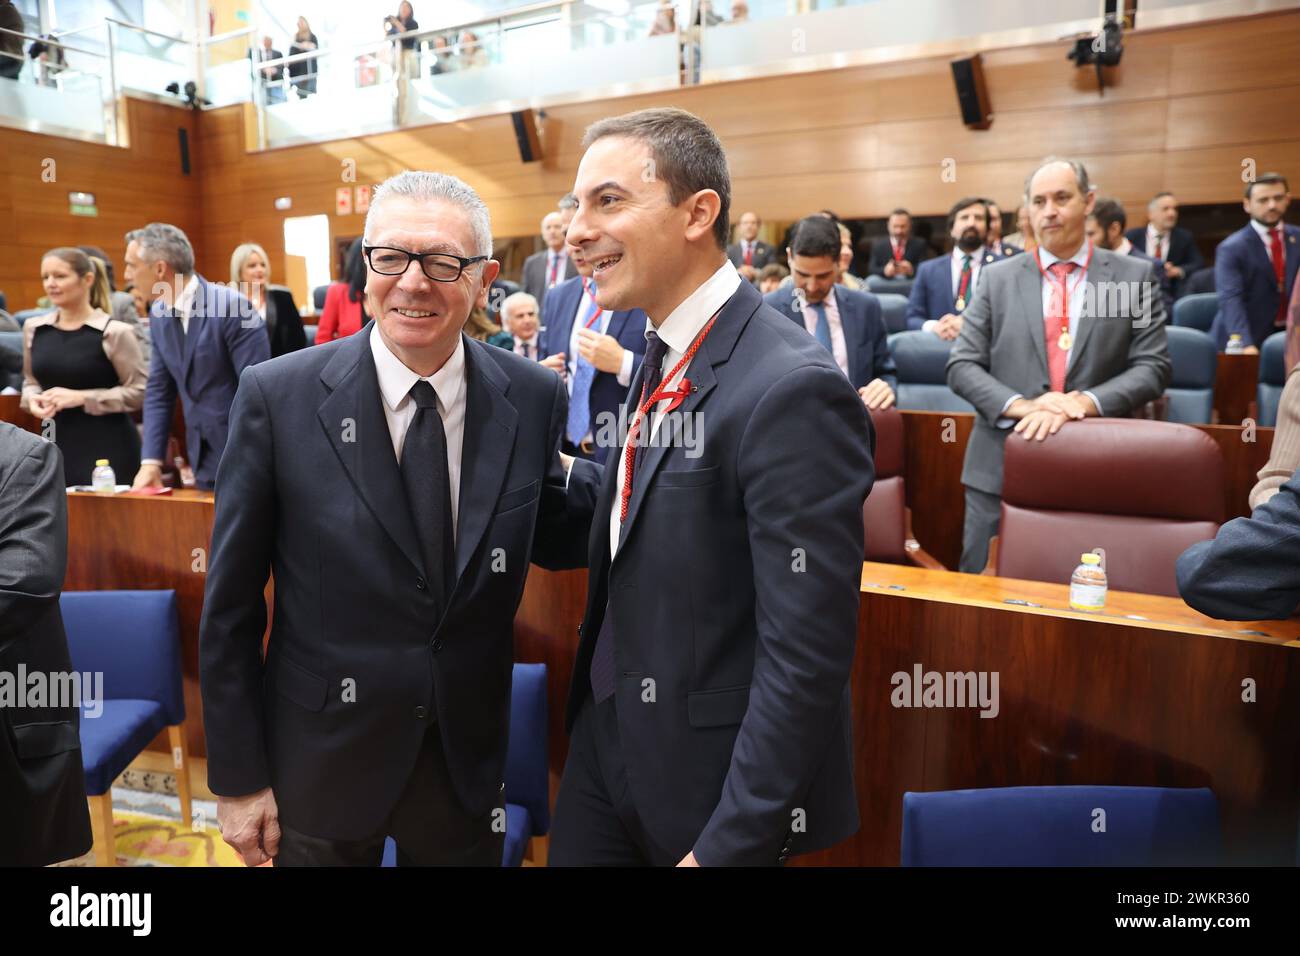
[437, 644]
[420, 585]
[420, 713]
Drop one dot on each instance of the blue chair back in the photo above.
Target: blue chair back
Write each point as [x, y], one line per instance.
[893, 309]
[921, 358]
[13, 341]
[311, 334]
[879, 284]
[1060, 826]
[1272, 378]
[318, 295]
[1196, 311]
[527, 770]
[1191, 387]
[133, 638]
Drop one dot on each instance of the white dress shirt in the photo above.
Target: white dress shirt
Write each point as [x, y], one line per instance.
[839, 348]
[1074, 282]
[396, 381]
[954, 266]
[1266, 236]
[583, 313]
[678, 331]
[1152, 240]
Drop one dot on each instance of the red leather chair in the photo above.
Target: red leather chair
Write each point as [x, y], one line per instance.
[885, 515]
[1142, 490]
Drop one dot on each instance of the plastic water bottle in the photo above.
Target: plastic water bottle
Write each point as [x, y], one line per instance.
[1088, 584]
[1235, 345]
[102, 479]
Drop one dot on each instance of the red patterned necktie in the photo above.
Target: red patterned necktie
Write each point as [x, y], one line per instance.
[1160, 241]
[749, 253]
[1056, 323]
[1278, 254]
[555, 266]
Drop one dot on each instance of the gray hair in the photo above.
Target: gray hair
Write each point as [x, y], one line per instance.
[514, 299]
[567, 201]
[1080, 174]
[426, 186]
[163, 241]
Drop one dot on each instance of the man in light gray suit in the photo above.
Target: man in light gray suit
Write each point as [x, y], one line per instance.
[1070, 332]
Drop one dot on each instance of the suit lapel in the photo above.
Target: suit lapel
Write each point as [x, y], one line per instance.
[1098, 271]
[191, 337]
[854, 332]
[490, 423]
[366, 449]
[1291, 249]
[564, 323]
[1029, 288]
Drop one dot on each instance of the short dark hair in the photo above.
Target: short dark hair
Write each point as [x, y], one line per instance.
[965, 203]
[1267, 179]
[900, 211]
[773, 270]
[1107, 211]
[687, 154]
[816, 236]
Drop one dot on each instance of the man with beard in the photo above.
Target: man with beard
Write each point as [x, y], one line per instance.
[1255, 267]
[945, 286]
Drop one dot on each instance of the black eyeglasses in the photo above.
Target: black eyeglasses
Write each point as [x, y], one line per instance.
[438, 266]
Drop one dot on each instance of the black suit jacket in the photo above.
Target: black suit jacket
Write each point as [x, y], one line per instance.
[763, 254]
[311, 490]
[42, 786]
[736, 591]
[865, 338]
[882, 250]
[1181, 250]
[286, 333]
[1250, 570]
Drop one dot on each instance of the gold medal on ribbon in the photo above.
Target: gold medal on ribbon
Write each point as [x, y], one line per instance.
[961, 302]
[1064, 342]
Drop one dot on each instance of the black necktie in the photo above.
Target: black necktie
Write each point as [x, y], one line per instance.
[428, 490]
[602, 657]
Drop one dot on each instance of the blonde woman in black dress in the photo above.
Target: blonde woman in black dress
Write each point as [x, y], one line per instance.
[83, 370]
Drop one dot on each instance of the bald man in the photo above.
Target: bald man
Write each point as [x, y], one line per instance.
[548, 268]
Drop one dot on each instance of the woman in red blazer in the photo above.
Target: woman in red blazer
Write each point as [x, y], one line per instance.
[344, 311]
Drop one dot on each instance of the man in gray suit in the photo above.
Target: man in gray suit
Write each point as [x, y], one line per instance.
[548, 268]
[1070, 332]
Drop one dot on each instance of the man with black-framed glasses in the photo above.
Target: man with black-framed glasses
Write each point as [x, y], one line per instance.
[399, 482]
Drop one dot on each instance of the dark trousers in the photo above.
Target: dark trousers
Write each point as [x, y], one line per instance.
[428, 824]
[983, 514]
[596, 822]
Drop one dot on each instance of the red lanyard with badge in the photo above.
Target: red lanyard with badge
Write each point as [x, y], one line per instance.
[1065, 340]
[677, 396]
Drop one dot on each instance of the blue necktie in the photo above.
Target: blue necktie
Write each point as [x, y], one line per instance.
[579, 401]
[823, 331]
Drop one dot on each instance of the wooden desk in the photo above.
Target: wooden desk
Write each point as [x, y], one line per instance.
[1082, 699]
[935, 447]
[123, 541]
[1235, 382]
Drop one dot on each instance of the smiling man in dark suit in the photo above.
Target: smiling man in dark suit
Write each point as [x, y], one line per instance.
[397, 482]
[709, 708]
[847, 323]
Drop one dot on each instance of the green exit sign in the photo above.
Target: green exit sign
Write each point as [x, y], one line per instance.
[82, 204]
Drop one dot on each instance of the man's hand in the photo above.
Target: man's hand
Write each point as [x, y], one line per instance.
[556, 363]
[602, 351]
[949, 327]
[689, 860]
[1173, 271]
[57, 399]
[891, 269]
[1040, 423]
[877, 394]
[1073, 406]
[251, 824]
[905, 269]
[149, 476]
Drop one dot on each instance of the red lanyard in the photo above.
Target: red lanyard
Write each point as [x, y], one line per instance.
[1069, 290]
[588, 290]
[678, 395]
[966, 273]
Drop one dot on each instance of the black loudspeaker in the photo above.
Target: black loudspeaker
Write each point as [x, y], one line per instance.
[184, 136]
[972, 97]
[530, 146]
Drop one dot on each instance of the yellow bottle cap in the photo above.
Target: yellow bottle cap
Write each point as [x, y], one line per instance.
[102, 461]
[1090, 558]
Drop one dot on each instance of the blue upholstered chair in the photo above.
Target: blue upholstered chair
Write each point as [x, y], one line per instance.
[1191, 386]
[921, 358]
[13, 341]
[1272, 377]
[879, 284]
[528, 804]
[1196, 311]
[311, 334]
[893, 308]
[318, 295]
[133, 639]
[1061, 826]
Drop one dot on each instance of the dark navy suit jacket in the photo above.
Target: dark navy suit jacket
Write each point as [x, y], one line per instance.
[865, 336]
[226, 335]
[1247, 285]
[628, 326]
[1181, 250]
[1250, 570]
[932, 292]
[746, 756]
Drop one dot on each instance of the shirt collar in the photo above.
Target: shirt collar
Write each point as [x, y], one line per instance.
[185, 301]
[694, 312]
[1080, 256]
[1152, 231]
[1125, 247]
[1264, 232]
[396, 380]
[519, 341]
[976, 257]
